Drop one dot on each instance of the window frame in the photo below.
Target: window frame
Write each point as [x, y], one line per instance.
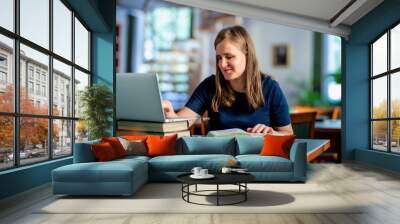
[388, 74]
[16, 114]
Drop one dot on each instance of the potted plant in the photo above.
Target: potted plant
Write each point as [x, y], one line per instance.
[96, 103]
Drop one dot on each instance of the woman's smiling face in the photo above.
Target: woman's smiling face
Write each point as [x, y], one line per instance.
[230, 59]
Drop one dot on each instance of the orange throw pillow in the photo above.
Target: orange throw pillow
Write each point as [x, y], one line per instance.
[116, 145]
[161, 145]
[103, 152]
[276, 145]
[135, 137]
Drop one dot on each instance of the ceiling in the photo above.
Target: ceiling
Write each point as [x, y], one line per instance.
[326, 16]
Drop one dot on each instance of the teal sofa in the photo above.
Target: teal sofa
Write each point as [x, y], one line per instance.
[125, 176]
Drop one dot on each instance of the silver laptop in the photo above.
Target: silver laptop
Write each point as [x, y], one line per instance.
[138, 98]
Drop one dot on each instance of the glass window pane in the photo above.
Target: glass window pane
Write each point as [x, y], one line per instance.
[379, 135]
[379, 56]
[395, 94]
[7, 14]
[34, 97]
[35, 21]
[81, 81]
[62, 138]
[62, 29]
[395, 47]
[6, 142]
[33, 140]
[62, 89]
[81, 131]
[6, 74]
[379, 98]
[81, 45]
[395, 136]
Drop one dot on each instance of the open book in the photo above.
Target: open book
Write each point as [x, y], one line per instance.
[231, 132]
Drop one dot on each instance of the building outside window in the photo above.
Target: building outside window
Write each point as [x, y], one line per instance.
[385, 96]
[30, 87]
[3, 78]
[30, 72]
[3, 71]
[55, 135]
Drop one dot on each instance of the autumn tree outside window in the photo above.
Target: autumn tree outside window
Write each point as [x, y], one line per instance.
[385, 95]
[44, 64]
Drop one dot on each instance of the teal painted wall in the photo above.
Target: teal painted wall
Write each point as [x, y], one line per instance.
[24, 178]
[356, 85]
[99, 16]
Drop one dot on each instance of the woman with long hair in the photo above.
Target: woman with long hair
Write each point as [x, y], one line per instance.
[239, 95]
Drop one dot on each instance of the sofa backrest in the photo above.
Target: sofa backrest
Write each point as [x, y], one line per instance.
[206, 145]
[83, 153]
[249, 144]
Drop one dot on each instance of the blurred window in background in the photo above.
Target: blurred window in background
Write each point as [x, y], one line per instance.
[170, 51]
[332, 71]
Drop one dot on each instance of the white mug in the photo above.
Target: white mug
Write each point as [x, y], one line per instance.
[226, 170]
[196, 170]
[203, 172]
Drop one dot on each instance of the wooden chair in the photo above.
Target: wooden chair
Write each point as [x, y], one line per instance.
[200, 127]
[322, 112]
[303, 124]
[337, 113]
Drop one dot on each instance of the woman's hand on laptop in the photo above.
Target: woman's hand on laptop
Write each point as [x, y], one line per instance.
[168, 109]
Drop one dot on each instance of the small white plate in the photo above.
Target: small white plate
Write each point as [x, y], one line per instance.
[208, 176]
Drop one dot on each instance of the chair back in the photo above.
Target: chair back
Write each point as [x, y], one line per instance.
[303, 124]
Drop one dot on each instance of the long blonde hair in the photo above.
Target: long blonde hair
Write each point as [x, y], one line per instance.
[224, 94]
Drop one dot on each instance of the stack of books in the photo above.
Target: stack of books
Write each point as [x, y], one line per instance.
[180, 128]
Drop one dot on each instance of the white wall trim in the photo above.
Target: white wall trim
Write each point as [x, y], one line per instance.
[268, 15]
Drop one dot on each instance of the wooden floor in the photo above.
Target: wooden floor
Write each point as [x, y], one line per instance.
[378, 189]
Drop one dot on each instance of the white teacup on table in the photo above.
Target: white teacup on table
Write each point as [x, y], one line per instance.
[203, 172]
[196, 170]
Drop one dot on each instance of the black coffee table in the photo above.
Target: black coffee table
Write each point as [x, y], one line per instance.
[238, 179]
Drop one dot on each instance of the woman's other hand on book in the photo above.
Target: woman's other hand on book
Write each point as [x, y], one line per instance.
[168, 109]
[261, 129]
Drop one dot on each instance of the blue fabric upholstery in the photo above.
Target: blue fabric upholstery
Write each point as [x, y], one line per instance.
[167, 168]
[207, 145]
[83, 152]
[257, 163]
[119, 177]
[184, 163]
[125, 176]
[298, 155]
[249, 144]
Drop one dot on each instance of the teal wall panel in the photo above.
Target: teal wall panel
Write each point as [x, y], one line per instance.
[380, 159]
[356, 85]
[24, 178]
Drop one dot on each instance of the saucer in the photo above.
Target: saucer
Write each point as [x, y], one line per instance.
[208, 176]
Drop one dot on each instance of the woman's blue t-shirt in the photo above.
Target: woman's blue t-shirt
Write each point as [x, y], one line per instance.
[274, 113]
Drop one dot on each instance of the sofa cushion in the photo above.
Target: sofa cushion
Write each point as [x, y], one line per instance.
[116, 145]
[161, 145]
[185, 163]
[103, 152]
[135, 137]
[207, 145]
[257, 163]
[249, 144]
[275, 145]
[112, 171]
[134, 147]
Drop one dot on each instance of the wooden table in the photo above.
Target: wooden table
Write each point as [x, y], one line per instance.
[330, 129]
[315, 147]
